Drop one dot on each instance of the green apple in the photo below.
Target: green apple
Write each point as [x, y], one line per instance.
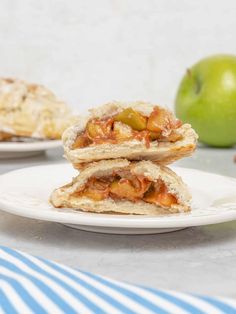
[206, 98]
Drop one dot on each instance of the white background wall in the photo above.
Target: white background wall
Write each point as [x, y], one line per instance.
[92, 51]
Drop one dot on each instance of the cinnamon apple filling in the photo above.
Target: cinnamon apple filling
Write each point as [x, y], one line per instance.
[129, 124]
[5, 136]
[123, 185]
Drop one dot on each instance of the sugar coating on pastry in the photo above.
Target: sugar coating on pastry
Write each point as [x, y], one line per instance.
[31, 110]
[74, 195]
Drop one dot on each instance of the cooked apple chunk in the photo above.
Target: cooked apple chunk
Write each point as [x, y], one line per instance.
[158, 120]
[154, 135]
[158, 194]
[5, 136]
[99, 129]
[132, 118]
[81, 141]
[123, 189]
[95, 189]
[131, 189]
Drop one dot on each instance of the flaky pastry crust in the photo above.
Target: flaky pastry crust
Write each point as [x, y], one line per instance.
[31, 110]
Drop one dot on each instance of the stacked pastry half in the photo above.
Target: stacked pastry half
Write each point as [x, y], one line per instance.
[121, 150]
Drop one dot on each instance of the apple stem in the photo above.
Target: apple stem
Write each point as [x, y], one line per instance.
[189, 73]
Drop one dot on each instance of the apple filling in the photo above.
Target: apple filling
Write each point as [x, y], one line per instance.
[123, 185]
[129, 124]
[5, 136]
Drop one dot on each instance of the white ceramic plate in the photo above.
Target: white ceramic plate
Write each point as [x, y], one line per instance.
[25, 192]
[25, 149]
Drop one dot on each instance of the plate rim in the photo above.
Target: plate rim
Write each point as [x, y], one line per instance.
[118, 221]
[18, 147]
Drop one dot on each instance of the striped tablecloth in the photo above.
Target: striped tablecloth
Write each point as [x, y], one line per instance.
[35, 285]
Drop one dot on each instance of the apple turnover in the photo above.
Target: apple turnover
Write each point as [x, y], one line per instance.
[30, 110]
[126, 187]
[134, 131]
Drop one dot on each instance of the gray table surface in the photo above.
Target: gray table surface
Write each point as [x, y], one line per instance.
[199, 259]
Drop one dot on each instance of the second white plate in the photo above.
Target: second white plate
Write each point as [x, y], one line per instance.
[25, 192]
[25, 149]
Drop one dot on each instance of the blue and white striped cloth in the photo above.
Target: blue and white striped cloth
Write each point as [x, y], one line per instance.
[35, 285]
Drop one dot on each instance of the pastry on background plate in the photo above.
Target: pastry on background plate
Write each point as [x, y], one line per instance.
[134, 131]
[31, 111]
[125, 187]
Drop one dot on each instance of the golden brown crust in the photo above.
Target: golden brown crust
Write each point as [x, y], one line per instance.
[65, 197]
[31, 110]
